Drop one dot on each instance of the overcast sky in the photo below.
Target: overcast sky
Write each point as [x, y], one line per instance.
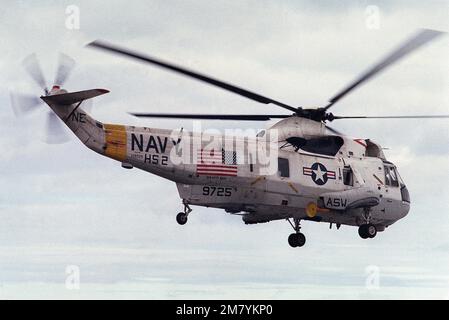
[63, 205]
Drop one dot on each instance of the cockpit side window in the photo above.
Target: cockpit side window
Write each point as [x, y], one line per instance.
[394, 177]
[348, 176]
[387, 176]
[391, 177]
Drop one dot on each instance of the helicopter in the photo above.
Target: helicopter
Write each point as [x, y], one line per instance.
[299, 169]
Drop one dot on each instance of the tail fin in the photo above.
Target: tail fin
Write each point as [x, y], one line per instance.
[73, 97]
[67, 107]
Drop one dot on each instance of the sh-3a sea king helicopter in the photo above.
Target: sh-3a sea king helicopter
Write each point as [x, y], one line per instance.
[311, 175]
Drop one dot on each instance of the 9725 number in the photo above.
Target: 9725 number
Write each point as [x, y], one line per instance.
[217, 191]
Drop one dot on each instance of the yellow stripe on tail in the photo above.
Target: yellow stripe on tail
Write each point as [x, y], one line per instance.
[115, 141]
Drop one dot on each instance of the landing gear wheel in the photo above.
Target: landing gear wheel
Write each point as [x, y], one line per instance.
[367, 231]
[292, 241]
[301, 239]
[362, 232]
[371, 230]
[296, 240]
[181, 218]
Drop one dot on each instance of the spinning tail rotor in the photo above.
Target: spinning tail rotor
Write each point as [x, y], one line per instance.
[24, 104]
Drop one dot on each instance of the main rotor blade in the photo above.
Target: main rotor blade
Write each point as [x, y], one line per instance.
[418, 40]
[65, 67]
[443, 116]
[226, 86]
[31, 65]
[245, 117]
[334, 131]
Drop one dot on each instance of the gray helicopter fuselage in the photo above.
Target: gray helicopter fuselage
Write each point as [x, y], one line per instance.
[295, 170]
[349, 180]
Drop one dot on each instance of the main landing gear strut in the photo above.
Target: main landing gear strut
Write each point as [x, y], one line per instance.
[181, 217]
[296, 239]
[367, 230]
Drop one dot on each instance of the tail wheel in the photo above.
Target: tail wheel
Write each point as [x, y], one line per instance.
[181, 218]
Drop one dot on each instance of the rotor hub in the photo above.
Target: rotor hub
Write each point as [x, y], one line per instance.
[318, 114]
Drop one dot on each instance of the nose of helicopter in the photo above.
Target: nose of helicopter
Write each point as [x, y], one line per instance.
[405, 201]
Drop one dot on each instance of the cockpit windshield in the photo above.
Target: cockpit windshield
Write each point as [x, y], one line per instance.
[393, 179]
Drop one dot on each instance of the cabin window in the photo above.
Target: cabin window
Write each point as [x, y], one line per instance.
[251, 165]
[283, 168]
[391, 177]
[328, 145]
[348, 176]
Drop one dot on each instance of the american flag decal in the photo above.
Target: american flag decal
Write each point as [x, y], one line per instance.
[217, 163]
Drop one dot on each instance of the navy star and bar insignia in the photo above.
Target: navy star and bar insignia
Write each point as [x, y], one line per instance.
[320, 175]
